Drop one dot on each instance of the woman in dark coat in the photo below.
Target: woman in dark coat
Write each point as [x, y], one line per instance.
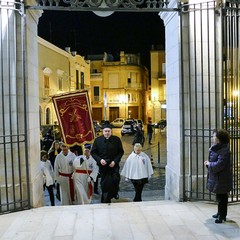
[219, 178]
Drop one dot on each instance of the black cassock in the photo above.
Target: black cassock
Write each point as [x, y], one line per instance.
[110, 150]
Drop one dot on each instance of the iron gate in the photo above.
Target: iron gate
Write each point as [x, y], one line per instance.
[14, 176]
[210, 82]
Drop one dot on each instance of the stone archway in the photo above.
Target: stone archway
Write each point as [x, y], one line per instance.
[20, 101]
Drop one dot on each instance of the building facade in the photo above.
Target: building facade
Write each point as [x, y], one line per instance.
[60, 71]
[157, 93]
[118, 88]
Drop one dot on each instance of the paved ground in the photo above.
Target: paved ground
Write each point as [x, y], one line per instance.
[148, 220]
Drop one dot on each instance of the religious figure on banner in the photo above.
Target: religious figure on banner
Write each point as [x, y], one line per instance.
[73, 113]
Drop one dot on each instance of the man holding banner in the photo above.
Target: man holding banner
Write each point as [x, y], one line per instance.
[107, 150]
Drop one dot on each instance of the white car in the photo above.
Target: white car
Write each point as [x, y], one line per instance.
[118, 122]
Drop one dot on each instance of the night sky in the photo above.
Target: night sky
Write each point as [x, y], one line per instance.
[87, 33]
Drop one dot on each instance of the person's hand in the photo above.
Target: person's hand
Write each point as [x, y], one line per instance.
[206, 163]
[103, 162]
[89, 179]
[112, 164]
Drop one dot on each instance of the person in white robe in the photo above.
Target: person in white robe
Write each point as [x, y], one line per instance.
[138, 169]
[63, 168]
[85, 174]
[48, 175]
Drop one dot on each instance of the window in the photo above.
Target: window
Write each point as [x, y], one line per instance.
[60, 83]
[77, 80]
[82, 80]
[163, 69]
[46, 85]
[96, 93]
[48, 116]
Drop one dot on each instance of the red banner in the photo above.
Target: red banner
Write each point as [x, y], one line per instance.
[74, 117]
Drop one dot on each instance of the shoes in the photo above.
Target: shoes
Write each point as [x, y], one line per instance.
[220, 220]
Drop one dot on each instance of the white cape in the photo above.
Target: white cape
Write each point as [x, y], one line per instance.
[137, 166]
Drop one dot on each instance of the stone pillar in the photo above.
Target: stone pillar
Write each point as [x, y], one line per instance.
[32, 18]
[206, 78]
[19, 62]
[173, 168]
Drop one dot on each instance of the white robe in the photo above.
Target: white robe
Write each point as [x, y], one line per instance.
[81, 179]
[48, 175]
[137, 166]
[63, 164]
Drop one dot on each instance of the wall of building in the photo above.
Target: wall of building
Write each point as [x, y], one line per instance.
[124, 84]
[59, 65]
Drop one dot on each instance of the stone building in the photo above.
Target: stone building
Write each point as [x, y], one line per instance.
[118, 88]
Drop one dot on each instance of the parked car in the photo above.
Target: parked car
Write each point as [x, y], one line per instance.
[53, 130]
[97, 126]
[161, 124]
[129, 127]
[118, 122]
[140, 123]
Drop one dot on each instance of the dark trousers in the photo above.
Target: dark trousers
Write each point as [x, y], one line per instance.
[51, 195]
[138, 186]
[96, 185]
[222, 200]
[149, 137]
[110, 185]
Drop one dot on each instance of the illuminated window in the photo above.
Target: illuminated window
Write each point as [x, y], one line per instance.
[46, 85]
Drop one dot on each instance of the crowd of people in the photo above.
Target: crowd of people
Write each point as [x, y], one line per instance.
[75, 171]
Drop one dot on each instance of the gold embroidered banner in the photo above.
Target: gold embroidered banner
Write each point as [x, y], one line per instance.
[74, 117]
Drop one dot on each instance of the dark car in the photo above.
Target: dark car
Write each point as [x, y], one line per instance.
[140, 123]
[161, 124]
[97, 126]
[129, 127]
[53, 130]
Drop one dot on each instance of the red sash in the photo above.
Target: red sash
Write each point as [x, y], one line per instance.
[71, 186]
[90, 187]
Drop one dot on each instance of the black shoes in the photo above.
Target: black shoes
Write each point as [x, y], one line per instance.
[218, 218]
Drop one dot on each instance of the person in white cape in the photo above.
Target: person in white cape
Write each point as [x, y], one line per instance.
[138, 169]
[84, 176]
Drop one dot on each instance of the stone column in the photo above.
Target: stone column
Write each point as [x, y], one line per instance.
[172, 41]
[32, 18]
[19, 75]
[180, 71]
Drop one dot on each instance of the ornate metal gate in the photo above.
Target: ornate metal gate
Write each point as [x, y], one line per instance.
[210, 81]
[14, 174]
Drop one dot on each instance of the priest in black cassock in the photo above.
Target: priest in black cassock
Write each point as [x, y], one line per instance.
[107, 150]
